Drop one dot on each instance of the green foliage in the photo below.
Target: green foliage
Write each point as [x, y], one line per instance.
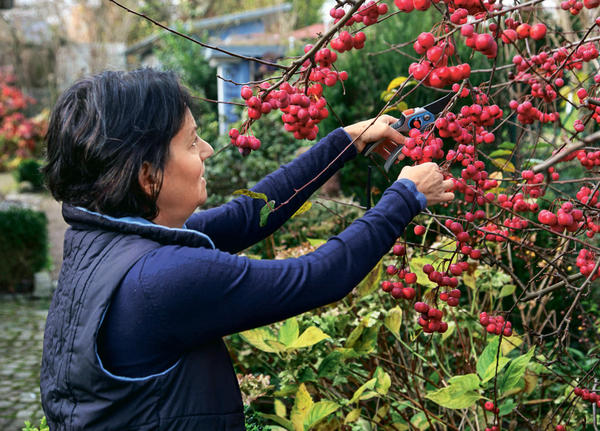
[29, 170]
[24, 250]
[43, 426]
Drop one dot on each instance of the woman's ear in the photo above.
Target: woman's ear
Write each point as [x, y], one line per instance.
[146, 179]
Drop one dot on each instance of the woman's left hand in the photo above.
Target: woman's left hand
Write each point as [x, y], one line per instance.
[374, 132]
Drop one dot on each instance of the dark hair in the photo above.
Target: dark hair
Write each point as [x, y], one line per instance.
[103, 129]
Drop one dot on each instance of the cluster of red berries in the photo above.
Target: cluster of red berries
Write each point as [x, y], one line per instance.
[493, 232]
[532, 180]
[566, 218]
[422, 147]
[528, 114]
[493, 428]
[586, 262]
[586, 395]
[433, 70]
[589, 159]
[459, 16]
[397, 288]
[575, 6]
[450, 297]
[462, 243]
[477, 118]
[445, 278]
[345, 41]
[516, 30]
[245, 144]
[305, 111]
[477, 8]
[430, 319]
[367, 14]
[584, 195]
[322, 72]
[482, 42]
[517, 203]
[494, 325]
[410, 5]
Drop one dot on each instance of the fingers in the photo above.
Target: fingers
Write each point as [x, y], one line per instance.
[448, 185]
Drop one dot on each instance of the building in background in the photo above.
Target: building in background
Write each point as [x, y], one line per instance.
[260, 33]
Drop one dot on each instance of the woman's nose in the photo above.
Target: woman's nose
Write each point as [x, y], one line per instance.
[207, 150]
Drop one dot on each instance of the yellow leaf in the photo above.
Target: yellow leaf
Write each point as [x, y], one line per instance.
[305, 207]
[398, 81]
[393, 320]
[312, 335]
[371, 282]
[280, 409]
[509, 343]
[302, 405]
[258, 338]
[251, 194]
[504, 164]
[352, 416]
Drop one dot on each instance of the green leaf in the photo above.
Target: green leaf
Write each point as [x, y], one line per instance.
[466, 382]
[257, 337]
[312, 335]
[507, 289]
[515, 371]
[393, 320]
[369, 385]
[500, 153]
[251, 194]
[507, 145]
[281, 421]
[492, 369]
[318, 412]
[330, 365]
[265, 211]
[354, 336]
[453, 397]
[383, 382]
[419, 421]
[302, 405]
[506, 407]
[371, 282]
[316, 242]
[288, 333]
[305, 207]
[367, 341]
[487, 357]
[504, 164]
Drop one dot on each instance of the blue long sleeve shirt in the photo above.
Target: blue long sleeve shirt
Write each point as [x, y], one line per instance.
[176, 297]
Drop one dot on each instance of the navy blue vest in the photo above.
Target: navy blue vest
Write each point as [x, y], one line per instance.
[199, 392]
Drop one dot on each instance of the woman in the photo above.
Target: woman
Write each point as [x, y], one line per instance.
[148, 287]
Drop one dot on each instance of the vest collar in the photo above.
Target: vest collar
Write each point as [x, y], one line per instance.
[85, 219]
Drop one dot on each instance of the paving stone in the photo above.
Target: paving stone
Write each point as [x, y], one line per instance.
[21, 332]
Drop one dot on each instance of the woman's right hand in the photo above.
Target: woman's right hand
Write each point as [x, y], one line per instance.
[430, 181]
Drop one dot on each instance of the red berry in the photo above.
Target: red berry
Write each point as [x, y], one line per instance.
[489, 406]
[419, 230]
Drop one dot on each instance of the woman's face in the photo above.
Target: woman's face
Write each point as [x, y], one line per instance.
[184, 187]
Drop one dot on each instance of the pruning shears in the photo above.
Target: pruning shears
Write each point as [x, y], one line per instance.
[414, 118]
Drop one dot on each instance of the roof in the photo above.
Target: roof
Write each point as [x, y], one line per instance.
[214, 22]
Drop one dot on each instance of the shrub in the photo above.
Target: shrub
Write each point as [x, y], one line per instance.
[24, 250]
[29, 170]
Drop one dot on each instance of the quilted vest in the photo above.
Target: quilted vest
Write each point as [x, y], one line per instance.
[199, 392]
